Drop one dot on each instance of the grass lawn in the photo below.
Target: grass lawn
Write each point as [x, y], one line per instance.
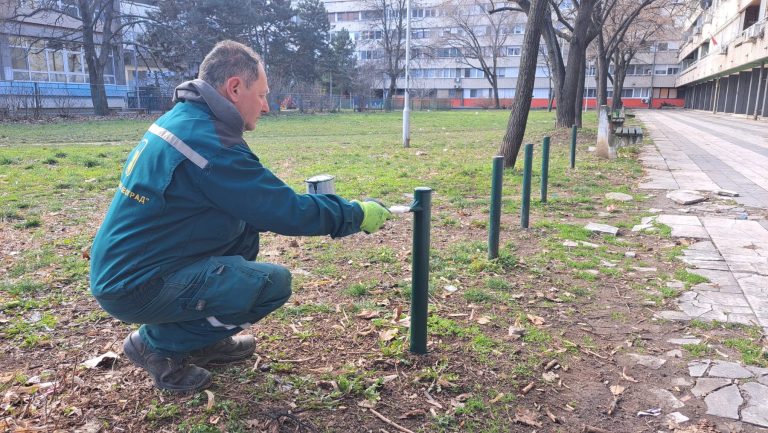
[337, 354]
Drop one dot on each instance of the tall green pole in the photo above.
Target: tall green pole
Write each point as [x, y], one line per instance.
[544, 169]
[495, 218]
[573, 146]
[526, 206]
[422, 209]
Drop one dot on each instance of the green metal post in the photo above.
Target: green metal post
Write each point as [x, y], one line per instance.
[573, 147]
[544, 169]
[495, 218]
[422, 210]
[526, 206]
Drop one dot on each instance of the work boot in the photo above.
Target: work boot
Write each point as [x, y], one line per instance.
[230, 349]
[174, 373]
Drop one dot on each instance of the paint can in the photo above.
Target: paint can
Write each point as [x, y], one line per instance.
[321, 184]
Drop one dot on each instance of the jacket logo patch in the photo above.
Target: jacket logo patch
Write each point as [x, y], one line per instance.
[136, 155]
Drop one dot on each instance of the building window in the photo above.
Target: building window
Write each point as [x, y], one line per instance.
[420, 33]
[369, 35]
[447, 52]
[423, 13]
[347, 16]
[510, 72]
[666, 70]
[449, 73]
[518, 29]
[33, 60]
[473, 73]
[371, 15]
[478, 93]
[638, 69]
[514, 51]
[369, 54]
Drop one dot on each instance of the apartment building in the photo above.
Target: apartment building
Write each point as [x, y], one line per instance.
[724, 56]
[41, 70]
[444, 74]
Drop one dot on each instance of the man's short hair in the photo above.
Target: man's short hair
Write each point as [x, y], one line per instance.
[230, 59]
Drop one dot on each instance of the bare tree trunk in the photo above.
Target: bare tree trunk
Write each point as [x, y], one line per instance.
[521, 105]
[580, 94]
[566, 105]
[601, 72]
[619, 74]
[557, 69]
[94, 59]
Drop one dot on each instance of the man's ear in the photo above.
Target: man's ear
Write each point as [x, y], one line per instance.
[233, 88]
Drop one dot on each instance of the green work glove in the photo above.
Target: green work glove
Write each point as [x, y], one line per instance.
[374, 215]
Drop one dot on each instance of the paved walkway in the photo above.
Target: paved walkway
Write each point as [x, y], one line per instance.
[706, 153]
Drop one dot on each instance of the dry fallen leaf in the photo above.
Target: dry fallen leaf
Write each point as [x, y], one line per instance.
[211, 400]
[527, 417]
[388, 335]
[367, 314]
[536, 320]
[616, 390]
[484, 320]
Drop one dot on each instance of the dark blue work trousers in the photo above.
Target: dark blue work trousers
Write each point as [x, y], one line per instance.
[206, 301]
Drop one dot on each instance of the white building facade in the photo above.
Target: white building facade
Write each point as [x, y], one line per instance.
[446, 75]
[724, 57]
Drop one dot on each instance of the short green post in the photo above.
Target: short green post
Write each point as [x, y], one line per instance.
[573, 147]
[422, 209]
[526, 206]
[544, 169]
[495, 218]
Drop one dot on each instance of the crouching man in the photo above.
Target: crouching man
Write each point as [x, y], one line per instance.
[175, 251]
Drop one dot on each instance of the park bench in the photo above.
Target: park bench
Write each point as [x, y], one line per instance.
[629, 135]
[617, 117]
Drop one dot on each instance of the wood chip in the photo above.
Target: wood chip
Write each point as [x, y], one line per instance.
[527, 388]
[552, 416]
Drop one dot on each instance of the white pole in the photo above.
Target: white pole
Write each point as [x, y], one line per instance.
[407, 100]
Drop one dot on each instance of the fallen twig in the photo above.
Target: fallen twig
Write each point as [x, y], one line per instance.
[298, 360]
[390, 422]
[597, 355]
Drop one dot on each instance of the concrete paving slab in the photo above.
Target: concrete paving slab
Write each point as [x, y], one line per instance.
[756, 409]
[728, 299]
[685, 231]
[698, 367]
[685, 220]
[724, 402]
[706, 385]
[729, 370]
